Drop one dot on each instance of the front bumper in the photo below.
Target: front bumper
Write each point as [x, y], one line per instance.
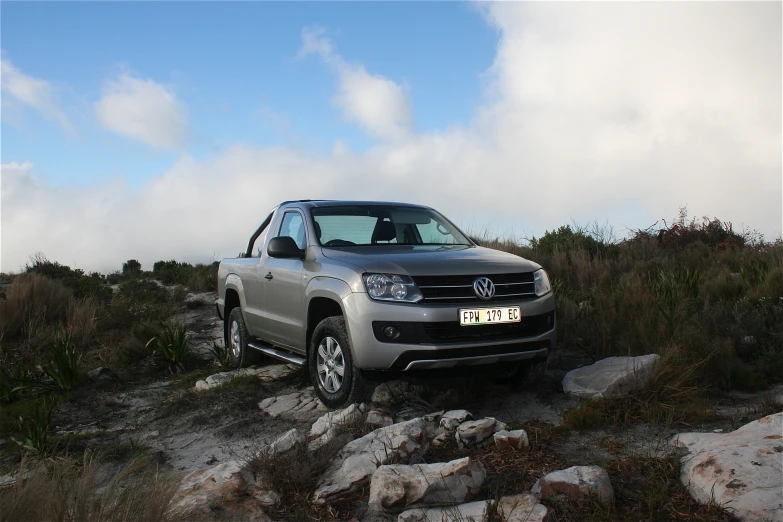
[418, 352]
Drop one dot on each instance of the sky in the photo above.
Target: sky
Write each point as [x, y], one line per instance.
[152, 130]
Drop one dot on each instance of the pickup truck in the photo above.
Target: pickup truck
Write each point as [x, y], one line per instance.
[354, 289]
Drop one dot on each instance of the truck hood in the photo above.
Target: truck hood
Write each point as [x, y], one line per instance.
[427, 260]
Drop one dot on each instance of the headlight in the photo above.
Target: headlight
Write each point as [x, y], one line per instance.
[392, 287]
[541, 285]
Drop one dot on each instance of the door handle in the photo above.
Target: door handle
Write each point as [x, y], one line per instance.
[268, 276]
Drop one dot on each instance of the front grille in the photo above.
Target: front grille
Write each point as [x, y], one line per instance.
[459, 289]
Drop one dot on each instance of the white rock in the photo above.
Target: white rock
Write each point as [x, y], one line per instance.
[336, 418]
[452, 419]
[94, 374]
[441, 440]
[353, 466]
[298, 406]
[285, 442]
[473, 433]
[522, 508]
[332, 434]
[610, 377]
[516, 439]
[379, 418]
[266, 497]
[577, 482]
[513, 508]
[268, 373]
[397, 487]
[740, 470]
[201, 489]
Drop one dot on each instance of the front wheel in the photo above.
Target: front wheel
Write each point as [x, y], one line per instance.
[335, 378]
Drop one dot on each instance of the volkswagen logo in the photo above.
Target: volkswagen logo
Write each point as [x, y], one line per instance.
[484, 288]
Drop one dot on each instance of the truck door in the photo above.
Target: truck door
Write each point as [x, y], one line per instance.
[284, 308]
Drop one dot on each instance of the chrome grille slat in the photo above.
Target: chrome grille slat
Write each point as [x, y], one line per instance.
[459, 289]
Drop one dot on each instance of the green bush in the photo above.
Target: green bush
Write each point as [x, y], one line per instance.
[81, 284]
[131, 268]
[199, 278]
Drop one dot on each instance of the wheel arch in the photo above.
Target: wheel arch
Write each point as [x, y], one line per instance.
[324, 298]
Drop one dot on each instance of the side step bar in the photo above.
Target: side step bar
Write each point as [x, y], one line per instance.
[277, 354]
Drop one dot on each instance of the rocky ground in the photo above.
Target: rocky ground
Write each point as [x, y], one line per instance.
[221, 432]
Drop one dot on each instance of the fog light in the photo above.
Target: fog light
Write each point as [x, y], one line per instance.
[391, 332]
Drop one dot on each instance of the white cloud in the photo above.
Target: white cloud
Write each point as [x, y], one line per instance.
[143, 109]
[380, 106]
[33, 92]
[619, 112]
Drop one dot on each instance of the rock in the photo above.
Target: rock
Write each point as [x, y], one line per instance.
[513, 508]
[392, 392]
[610, 377]
[441, 440]
[470, 512]
[473, 433]
[516, 439]
[216, 486]
[298, 406]
[353, 466]
[577, 482]
[452, 419]
[522, 508]
[269, 373]
[379, 418]
[94, 374]
[332, 434]
[266, 497]
[336, 418]
[285, 442]
[396, 487]
[740, 470]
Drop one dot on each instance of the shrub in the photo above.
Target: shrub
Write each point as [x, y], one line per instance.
[197, 278]
[81, 284]
[564, 239]
[131, 268]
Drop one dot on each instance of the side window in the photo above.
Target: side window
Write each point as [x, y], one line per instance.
[293, 226]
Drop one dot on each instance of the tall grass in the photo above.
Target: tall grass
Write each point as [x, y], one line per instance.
[715, 293]
[70, 490]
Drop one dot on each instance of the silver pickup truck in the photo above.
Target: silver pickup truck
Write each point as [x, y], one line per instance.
[354, 289]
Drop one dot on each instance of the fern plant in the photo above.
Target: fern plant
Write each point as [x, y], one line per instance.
[64, 366]
[171, 342]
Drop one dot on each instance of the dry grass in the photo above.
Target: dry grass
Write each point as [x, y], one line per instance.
[32, 304]
[294, 475]
[80, 322]
[673, 394]
[70, 490]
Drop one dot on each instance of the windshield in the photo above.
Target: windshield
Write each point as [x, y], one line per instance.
[365, 225]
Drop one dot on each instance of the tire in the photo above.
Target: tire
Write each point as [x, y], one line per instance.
[240, 354]
[328, 354]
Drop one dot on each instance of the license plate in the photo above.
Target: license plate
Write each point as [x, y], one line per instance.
[501, 314]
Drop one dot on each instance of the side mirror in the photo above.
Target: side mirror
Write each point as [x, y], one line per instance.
[285, 247]
[475, 241]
